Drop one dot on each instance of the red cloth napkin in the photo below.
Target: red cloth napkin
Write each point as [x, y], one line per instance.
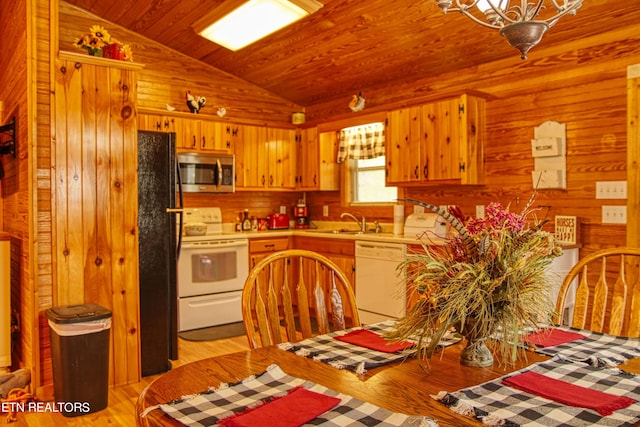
[299, 406]
[368, 339]
[568, 394]
[551, 337]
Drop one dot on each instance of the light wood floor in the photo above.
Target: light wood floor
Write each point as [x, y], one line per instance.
[122, 400]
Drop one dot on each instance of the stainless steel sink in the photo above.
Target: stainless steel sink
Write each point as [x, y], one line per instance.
[338, 231]
[350, 232]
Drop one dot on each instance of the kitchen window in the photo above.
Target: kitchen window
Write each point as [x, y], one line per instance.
[369, 182]
[363, 148]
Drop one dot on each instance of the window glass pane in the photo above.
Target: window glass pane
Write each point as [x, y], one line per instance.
[370, 187]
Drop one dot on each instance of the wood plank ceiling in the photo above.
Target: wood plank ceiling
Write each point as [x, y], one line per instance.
[348, 45]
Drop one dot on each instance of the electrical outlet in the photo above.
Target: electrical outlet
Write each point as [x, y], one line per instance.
[614, 214]
[283, 209]
[611, 190]
[325, 210]
[479, 211]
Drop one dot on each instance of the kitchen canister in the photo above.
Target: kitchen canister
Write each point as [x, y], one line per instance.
[298, 118]
[398, 219]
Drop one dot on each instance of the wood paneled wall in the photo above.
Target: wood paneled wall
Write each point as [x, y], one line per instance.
[43, 36]
[16, 185]
[96, 199]
[633, 155]
[167, 76]
[582, 84]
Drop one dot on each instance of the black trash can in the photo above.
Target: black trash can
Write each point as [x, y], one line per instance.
[80, 355]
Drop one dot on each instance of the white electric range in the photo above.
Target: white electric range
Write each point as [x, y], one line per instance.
[211, 272]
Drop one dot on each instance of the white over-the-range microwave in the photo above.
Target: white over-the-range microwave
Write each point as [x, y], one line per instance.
[207, 173]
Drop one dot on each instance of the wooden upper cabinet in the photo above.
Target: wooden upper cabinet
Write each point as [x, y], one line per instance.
[215, 136]
[192, 134]
[308, 159]
[402, 146]
[281, 158]
[250, 158]
[328, 162]
[437, 142]
[265, 158]
[156, 122]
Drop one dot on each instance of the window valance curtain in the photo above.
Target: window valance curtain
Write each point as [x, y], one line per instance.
[361, 142]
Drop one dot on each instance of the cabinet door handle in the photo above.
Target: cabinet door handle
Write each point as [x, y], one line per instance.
[264, 180]
[425, 171]
[194, 145]
[415, 172]
[203, 142]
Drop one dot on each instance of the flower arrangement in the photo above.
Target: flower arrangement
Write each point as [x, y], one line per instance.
[488, 280]
[98, 42]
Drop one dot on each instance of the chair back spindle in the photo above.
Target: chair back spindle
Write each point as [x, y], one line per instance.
[607, 296]
[305, 294]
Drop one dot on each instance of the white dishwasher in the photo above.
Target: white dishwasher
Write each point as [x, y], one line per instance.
[380, 288]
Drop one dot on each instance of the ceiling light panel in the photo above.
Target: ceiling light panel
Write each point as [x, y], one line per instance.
[254, 20]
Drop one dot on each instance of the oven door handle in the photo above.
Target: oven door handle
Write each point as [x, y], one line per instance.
[221, 245]
[219, 174]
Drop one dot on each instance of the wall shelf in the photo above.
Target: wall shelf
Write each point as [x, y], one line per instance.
[97, 60]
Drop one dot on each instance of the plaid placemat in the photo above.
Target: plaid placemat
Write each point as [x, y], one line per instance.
[595, 347]
[208, 408]
[494, 403]
[342, 355]
[607, 349]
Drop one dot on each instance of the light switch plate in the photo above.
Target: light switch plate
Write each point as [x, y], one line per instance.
[611, 189]
[614, 214]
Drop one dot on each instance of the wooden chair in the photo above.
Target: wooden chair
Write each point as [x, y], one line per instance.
[608, 292]
[296, 294]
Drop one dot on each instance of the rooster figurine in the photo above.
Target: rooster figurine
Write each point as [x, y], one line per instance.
[195, 103]
[357, 103]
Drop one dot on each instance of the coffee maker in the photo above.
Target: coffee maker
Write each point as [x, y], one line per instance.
[301, 215]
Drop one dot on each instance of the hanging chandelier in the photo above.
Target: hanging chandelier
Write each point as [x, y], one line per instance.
[517, 20]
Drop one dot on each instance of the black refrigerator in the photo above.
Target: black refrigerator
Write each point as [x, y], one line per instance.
[159, 248]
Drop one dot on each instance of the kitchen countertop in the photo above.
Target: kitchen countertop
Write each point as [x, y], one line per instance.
[325, 231]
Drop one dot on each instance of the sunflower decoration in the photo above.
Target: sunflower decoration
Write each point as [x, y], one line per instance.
[98, 42]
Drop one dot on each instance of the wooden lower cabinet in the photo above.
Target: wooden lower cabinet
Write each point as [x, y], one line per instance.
[260, 248]
[341, 252]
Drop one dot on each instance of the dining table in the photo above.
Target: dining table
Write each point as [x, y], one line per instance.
[406, 386]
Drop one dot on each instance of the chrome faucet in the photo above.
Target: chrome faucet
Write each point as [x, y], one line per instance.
[363, 224]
